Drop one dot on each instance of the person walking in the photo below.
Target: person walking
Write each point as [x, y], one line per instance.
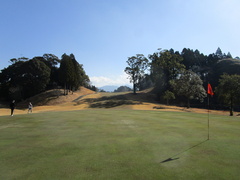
[12, 107]
[30, 107]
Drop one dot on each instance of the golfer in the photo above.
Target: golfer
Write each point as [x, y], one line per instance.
[12, 107]
[30, 107]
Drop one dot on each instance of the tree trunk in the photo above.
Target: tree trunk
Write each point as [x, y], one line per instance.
[188, 103]
[134, 88]
[231, 108]
[64, 89]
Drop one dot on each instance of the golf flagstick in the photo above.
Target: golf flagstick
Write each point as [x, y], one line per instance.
[209, 92]
[208, 118]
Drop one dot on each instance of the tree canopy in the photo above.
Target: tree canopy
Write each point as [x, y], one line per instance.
[169, 82]
[27, 77]
[189, 85]
[165, 66]
[136, 69]
[228, 90]
[23, 79]
[173, 75]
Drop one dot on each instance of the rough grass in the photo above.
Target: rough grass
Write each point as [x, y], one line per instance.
[119, 144]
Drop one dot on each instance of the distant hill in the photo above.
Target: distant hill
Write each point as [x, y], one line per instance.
[108, 88]
[123, 89]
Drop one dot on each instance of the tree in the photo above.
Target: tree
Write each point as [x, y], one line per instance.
[75, 83]
[195, 61]
[136, 69]
[146, 82]
[168, 95]
[190, 86]
[71, 73]
[228, 66]
[35, 77]
[66, 72]
[80, 77]
[228, 90]
[123, 89]
[188, 58]
[27, 77]
[229, 55]
[52, 62]
[21, 59]
[219, 53]
[165, 66]
[23, 79]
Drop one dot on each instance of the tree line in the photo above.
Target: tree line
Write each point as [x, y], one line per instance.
[183, 77]
[176, 77]
[27, 77]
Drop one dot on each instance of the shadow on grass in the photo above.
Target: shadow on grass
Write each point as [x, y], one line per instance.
[176, 158]
[115, 100]
[41, 99]
[107, 101]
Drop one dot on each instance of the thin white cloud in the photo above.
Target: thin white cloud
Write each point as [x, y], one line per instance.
[119, 80]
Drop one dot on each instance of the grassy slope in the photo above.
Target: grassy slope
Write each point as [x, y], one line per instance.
[117, 144]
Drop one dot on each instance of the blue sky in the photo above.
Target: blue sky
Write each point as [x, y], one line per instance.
[102, 34]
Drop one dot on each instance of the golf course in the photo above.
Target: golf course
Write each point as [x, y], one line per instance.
[98, 136]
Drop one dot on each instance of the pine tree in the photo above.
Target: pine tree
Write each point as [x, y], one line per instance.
[219, 53]
[229, 55]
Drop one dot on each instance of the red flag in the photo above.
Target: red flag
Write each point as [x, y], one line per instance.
[209, 90]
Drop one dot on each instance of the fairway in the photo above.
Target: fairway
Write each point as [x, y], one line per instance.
[119, 144]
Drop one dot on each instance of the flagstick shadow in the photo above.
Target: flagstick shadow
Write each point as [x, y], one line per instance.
[176, 158]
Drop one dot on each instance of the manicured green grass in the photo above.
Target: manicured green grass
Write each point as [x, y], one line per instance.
[119, 144]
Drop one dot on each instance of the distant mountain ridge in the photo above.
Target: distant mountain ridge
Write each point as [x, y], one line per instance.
[110, 88]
